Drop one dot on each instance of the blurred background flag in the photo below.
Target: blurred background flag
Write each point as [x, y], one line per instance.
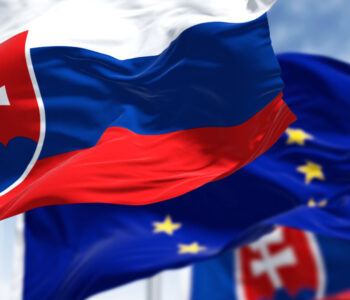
[303, 175]
[287, 264]
[311, 163]
[341, 296]
[134, 102]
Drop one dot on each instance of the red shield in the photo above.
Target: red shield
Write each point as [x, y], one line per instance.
[20, 113]
[286, 259]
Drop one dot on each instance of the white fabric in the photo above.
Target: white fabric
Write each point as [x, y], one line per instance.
[132, 28]
[4, 100]
[16, 13]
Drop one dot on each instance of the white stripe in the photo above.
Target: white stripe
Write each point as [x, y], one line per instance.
[4, 100]
[3, 287]
[42, 124]
[18, 271]
[133, 28]
[16, 13]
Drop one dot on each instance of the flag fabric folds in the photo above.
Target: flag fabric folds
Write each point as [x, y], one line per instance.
[102, 246]
[287, 264]
[74, 251]
[312, 161]
[134, 103]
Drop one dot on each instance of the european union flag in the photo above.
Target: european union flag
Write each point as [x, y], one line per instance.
[311, 164]
[74, 251]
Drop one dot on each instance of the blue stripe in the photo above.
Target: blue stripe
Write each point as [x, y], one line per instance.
[14, 158]
[337, 264]
[213, 279]
[213, 74]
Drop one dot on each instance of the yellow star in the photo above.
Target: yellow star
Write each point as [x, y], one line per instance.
[297, 136]
[311, 171]
[193, 248]
[312, 203]
[167, 226]
[323, 203]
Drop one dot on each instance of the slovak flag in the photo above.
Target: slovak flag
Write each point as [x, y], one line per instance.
[287, 264]
[134, 102]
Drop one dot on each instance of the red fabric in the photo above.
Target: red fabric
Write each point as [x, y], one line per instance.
[133, 169]
[340, 296]
[21, 117]
[293, 276]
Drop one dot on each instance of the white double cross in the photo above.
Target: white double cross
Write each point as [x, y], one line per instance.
[270, 263]
[4, 99]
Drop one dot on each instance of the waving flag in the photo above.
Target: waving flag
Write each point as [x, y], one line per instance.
[102, 246]
[287, 264]
[312, 161]
[134, 103]
[74, 251]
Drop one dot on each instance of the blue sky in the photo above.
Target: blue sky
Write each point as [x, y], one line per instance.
[309, 26]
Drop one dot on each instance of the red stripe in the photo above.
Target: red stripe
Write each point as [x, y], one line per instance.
[340, 296]
[133, 169]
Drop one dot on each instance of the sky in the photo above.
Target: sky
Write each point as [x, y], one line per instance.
[311, 26]
[308, 26]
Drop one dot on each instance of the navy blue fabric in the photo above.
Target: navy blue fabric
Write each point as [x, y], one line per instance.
[14, 159]
[213, 74]
[318, 91]
[337, 263]
[75, 251]
[214, 279]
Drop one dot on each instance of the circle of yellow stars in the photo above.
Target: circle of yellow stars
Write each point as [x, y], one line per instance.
[169, 227]
[310, 170]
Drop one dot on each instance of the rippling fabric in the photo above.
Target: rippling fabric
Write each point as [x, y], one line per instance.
[102, 246]
[311, 274]
[134, 125]
[318, 89]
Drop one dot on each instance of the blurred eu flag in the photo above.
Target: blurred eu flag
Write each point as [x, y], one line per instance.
[311, 164]
[74, 251]
[287, 264]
